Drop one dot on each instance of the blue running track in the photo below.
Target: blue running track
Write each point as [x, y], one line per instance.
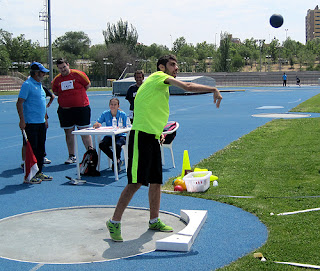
[229, 232]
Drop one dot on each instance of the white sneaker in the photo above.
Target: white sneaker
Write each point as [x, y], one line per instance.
[71, 160]
[46, 160]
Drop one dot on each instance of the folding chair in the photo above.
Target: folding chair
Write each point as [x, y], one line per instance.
[169, 146]
[125, 152]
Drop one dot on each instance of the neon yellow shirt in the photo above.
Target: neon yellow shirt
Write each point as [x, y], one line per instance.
[151, 105]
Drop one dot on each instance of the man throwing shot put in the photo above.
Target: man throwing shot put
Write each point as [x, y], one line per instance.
[151, 113]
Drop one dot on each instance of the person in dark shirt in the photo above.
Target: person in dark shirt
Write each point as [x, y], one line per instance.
[52, 96]
[298, 81]
[132, 91]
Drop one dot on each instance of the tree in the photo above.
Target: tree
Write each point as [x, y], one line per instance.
[76, 43]
[237, 63]
[249, 51]
[155, 50]
[5, 61]
[19, 49]
[120, 57]
[223, 64]
[204, 50]
[178, 44]
[121, 33]
[98, 53]
[273, 50]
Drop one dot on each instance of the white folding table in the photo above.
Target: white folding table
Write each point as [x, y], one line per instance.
[102, 131]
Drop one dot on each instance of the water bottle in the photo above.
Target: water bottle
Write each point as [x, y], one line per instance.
[128, 123]
[114, 123]
[120, 123]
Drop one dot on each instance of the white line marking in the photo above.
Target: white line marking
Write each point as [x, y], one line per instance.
[37, 267]
[302, 211]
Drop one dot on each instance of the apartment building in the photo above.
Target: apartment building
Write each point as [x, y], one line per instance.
[313, 23]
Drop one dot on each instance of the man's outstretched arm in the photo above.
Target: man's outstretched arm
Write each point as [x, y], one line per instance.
[193, 87]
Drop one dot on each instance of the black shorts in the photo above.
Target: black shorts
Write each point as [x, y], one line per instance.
[74, 116]
[144, 159]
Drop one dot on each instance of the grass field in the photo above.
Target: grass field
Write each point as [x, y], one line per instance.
[90, 89]
[278, 165]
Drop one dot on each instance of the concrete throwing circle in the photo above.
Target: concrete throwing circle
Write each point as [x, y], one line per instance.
[79, 235]
[281, 115]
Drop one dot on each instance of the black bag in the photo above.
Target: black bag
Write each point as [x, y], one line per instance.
[88, 166]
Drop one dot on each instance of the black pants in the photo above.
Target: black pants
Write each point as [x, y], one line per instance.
[106, 146]
[36, 133]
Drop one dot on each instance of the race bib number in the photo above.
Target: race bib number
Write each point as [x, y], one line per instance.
[67, 85]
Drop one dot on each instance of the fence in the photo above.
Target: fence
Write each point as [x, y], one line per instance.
[260, 78]
[11, 82]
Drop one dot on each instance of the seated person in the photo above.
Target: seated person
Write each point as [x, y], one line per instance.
[106, 143]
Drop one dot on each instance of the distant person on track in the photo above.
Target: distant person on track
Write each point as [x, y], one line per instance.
[284, 79]
[298, 81]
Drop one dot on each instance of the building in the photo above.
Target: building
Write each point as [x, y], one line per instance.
[313, 23]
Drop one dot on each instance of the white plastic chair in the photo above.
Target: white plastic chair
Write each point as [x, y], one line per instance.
[125, 152]
[169, 146]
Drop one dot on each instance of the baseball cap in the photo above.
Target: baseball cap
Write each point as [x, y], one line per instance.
[36, 66]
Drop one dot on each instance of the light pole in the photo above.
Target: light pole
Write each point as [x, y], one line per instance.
[146, 61]
[46, 17]
[105, 71]
[246, 59]
[286, 33]
[183, 66]
[210, 63]
[228, 61]
[129, 65]
[108, 63]
[50, 42]
[268, 57]
[215, 41]
[261, 41]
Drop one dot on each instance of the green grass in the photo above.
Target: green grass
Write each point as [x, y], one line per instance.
[100, 89]
[311, 105]
[278, 164]
[13, 92]
[90, 89]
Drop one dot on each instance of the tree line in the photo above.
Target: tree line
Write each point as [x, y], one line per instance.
[122, 51]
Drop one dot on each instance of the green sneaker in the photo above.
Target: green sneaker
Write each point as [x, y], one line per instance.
[160, 226]
[44, 177]
[115, 231]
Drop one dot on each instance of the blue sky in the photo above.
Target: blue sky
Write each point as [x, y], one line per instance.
[160, 22]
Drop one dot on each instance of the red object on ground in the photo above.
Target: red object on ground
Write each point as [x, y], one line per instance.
[178, 188]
